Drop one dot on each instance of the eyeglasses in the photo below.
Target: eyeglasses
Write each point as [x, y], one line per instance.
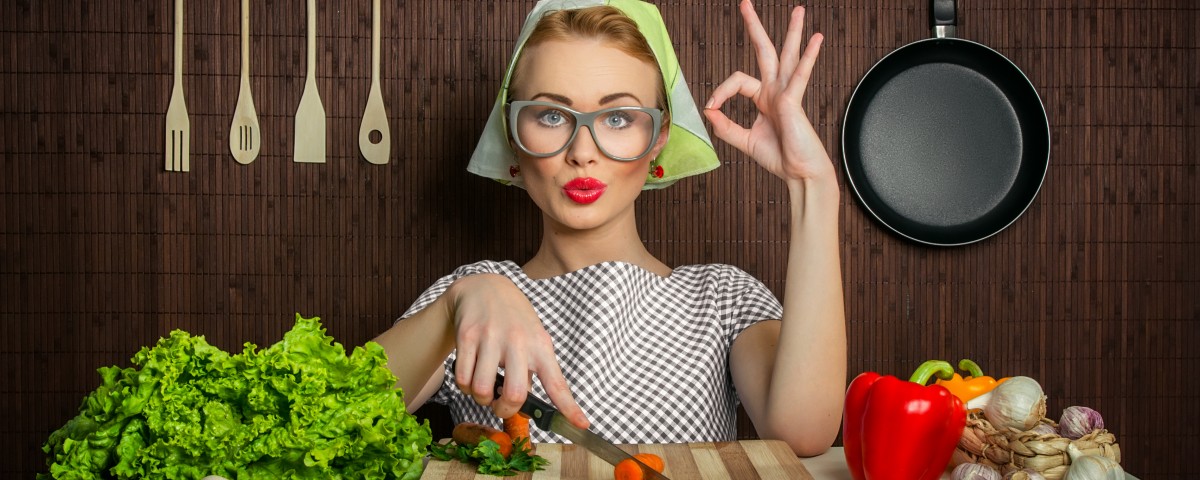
[544, 129]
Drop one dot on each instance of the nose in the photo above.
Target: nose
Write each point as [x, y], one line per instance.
[583, 149]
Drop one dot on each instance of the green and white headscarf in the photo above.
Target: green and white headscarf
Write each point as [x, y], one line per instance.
[688, 151]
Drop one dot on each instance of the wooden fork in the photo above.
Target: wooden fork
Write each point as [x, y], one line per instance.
[178, 127]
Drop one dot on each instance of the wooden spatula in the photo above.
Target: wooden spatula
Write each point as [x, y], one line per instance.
[244, 141]
[375, 117]
[310, 117]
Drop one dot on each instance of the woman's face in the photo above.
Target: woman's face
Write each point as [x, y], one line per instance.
[580, 188]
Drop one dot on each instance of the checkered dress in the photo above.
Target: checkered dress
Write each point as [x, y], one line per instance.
[647, 357]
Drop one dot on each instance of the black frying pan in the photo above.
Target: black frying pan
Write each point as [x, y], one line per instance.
[945, 141]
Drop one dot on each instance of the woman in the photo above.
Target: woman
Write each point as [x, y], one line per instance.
[592, 111]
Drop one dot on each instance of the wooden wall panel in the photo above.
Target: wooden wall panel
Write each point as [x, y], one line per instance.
[1093, 291]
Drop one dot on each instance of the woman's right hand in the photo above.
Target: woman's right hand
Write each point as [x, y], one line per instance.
[496, 327]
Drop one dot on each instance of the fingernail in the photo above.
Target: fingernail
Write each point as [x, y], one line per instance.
[708, 104]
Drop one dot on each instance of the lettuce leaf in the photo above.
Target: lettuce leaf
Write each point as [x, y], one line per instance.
[299, 409]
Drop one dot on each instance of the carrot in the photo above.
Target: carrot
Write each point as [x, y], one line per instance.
[517, 427]
[469, 433]
[628, 470]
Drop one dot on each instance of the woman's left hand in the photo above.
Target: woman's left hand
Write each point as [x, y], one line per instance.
[781, 139]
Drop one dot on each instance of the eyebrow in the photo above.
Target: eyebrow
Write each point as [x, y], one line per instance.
[607, 98]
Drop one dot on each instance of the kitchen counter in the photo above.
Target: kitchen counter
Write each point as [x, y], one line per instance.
[760, 458]
[740, 459]
[707, 460]
[831, 465]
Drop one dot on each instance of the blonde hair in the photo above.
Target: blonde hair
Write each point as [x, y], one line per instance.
[603, 22]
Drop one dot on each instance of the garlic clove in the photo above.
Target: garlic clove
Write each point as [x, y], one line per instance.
[974, 471]
[1092, 467]
[1078, 421]
[1018, 403]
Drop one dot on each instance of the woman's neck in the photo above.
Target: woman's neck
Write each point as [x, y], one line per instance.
[565, 250]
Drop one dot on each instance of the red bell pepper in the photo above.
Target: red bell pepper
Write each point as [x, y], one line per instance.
[893, 429]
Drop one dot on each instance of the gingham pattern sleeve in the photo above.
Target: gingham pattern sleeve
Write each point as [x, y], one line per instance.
[646, 356]
[749, 300]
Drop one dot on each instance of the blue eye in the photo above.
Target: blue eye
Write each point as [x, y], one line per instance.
[552, 118]
[617, 120]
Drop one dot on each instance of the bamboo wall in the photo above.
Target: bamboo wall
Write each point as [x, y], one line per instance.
[1093, 292]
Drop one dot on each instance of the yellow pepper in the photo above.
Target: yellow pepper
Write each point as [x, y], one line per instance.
[973, 385]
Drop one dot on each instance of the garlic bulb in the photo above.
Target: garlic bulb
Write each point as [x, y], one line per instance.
[1092, 467]
[1043, 429]
[1017, 403]
[1079, 421]
[1026, 474]
[974, 471]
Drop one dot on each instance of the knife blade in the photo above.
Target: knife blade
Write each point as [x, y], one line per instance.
[548, 418]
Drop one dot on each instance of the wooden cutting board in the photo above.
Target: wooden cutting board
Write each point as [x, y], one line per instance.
[745, 459]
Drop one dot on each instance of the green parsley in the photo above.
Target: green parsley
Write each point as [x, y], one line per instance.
[488, 458]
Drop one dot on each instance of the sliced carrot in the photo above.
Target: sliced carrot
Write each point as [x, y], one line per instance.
[629, 470]
[651, 460]
[517, 427]
[468, 433]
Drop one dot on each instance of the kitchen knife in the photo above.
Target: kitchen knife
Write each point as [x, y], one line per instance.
[548, 418]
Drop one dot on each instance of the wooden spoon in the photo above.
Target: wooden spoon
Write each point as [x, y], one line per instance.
[310, 117]
[375, 117]
[244, 133]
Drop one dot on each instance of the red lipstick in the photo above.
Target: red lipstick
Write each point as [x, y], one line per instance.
[584, 190]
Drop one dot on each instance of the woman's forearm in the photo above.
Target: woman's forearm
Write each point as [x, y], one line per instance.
[810, 362]
[416, 347]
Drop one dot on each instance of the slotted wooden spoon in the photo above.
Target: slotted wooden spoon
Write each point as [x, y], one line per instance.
[244, 141]
[310, 117]
[179, 130]
[375, 116]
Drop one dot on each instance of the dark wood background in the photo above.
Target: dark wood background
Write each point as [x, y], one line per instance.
[1093, 292]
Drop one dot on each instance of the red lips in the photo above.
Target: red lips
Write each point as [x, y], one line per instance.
[584, 190]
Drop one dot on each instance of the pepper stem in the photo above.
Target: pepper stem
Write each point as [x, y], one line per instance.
[971, 367]
[941, 368]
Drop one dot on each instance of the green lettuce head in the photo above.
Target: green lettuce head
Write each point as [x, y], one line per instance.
[299, 409]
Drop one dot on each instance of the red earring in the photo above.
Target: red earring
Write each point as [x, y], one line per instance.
[514, 170]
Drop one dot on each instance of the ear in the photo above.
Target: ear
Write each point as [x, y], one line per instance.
[664, 135]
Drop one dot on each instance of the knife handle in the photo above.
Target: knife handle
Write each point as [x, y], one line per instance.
[539, 412]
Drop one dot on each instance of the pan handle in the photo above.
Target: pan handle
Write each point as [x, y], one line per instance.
[943, 18]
